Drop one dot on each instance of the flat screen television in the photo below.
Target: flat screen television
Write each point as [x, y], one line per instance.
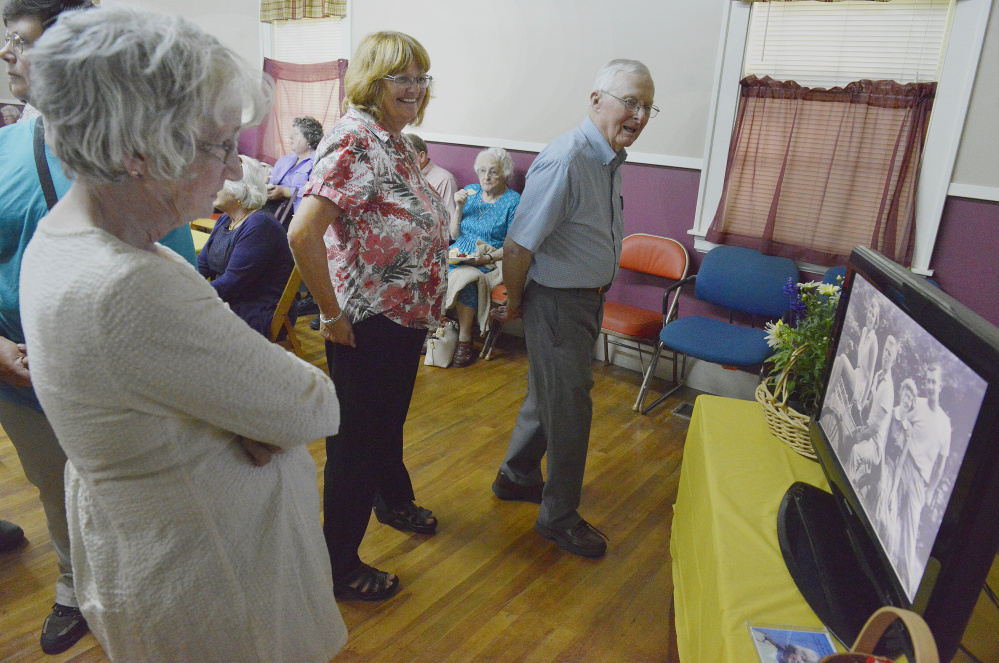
[907, 433]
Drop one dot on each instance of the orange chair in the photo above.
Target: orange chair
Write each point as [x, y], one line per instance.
[637, 328]
[282, 321]
[495, 326]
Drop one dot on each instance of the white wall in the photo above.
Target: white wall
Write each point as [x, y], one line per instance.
[522, 70]
[518, 72]
[235, 22]
[976, 163]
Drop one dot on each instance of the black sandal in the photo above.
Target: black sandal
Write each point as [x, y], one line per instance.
[365, 584]
[408, 518]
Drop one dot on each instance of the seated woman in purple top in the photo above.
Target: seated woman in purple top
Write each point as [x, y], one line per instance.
[292, 171]
[247, 257]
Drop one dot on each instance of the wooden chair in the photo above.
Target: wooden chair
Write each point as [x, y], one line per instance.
[637, 328]
[282, 320]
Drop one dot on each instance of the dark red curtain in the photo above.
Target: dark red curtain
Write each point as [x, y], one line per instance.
[813, 172]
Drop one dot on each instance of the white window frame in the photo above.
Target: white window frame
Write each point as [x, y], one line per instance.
[943, 138]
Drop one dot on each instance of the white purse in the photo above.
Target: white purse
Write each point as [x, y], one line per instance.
[441, 345]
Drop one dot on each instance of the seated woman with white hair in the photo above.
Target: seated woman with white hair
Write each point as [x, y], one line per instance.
[479, 225]
[191, 496]
[247, 256]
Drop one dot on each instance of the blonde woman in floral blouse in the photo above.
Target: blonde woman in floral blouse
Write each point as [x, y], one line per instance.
[370, 239]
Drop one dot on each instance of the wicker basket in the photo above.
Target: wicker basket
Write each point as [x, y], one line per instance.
[788, 425]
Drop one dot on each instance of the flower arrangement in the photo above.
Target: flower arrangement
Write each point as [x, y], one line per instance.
[801, 343]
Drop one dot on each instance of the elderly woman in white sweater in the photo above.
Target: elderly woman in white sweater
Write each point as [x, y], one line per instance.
[192, 499]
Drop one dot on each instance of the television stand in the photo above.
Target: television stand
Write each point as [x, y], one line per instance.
[821, 558]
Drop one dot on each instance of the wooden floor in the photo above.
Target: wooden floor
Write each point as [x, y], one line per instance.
[486, 587]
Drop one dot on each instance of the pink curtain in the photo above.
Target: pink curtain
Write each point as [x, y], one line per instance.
[315, 90]
[812, 173]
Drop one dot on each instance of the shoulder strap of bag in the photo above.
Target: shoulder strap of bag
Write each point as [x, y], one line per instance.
[42, 165]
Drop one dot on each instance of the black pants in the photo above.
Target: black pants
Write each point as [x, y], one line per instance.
[374, 383]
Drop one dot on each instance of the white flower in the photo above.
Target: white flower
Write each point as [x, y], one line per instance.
[774, 332]
[828, 289]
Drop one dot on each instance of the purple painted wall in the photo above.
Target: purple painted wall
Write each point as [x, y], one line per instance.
[661, 201]
[965, 260]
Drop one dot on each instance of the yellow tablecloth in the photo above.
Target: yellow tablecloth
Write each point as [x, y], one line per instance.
[200, 238]
[727, 566]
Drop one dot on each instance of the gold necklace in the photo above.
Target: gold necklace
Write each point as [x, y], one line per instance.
[235, 222]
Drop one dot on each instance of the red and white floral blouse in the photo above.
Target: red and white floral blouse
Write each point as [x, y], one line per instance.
[387, 252]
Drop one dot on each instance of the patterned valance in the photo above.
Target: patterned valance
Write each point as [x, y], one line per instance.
[281, 10]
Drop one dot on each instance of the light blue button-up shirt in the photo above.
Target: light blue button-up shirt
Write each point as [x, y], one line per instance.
[571, 214]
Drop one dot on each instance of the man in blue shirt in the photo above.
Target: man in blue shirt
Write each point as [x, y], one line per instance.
[560, 256]
[23, 205]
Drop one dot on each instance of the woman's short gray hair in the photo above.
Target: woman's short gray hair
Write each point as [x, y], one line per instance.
[605, 77]
[310, 128]
[122, 82]
[251, 191]
[500, 156]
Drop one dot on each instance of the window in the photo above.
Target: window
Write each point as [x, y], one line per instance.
[306, 41]
[963, 47]
[822, 44]
[306, 58]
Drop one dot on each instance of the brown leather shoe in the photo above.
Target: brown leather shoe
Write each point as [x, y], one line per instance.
[506, 489]
[464, 354]
[584, 539]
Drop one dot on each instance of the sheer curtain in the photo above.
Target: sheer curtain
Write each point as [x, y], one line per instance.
[315, 90]
[813, 172]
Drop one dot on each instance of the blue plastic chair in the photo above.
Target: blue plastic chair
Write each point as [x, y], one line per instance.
[741, 280]
[833, 274]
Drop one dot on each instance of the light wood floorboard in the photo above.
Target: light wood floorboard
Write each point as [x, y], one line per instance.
[486, 587]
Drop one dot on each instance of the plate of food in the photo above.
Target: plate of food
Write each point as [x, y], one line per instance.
[456, 258]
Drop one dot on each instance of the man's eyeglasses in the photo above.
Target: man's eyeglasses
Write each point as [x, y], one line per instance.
[228, 147]
[405, 81]
[16, 41]
[632, 105]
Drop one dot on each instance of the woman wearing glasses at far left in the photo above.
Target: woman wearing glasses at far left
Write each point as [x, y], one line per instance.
[379, 277]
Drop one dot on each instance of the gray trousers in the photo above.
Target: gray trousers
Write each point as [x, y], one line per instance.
[44, 462]
[561, 327]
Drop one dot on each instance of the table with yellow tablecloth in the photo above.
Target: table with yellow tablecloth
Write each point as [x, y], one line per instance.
[727, 566]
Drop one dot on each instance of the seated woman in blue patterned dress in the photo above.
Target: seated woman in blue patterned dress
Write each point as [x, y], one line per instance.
[479, 225]
[247, 256]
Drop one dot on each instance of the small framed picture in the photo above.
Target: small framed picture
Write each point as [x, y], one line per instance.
[784, 644]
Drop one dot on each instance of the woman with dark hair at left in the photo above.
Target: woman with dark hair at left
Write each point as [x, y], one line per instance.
[291, 172]
[191, 497]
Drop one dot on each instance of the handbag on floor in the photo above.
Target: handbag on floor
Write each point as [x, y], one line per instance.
[923, 644]
[441, 345]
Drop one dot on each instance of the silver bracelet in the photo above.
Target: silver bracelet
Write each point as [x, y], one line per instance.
[325, 322]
